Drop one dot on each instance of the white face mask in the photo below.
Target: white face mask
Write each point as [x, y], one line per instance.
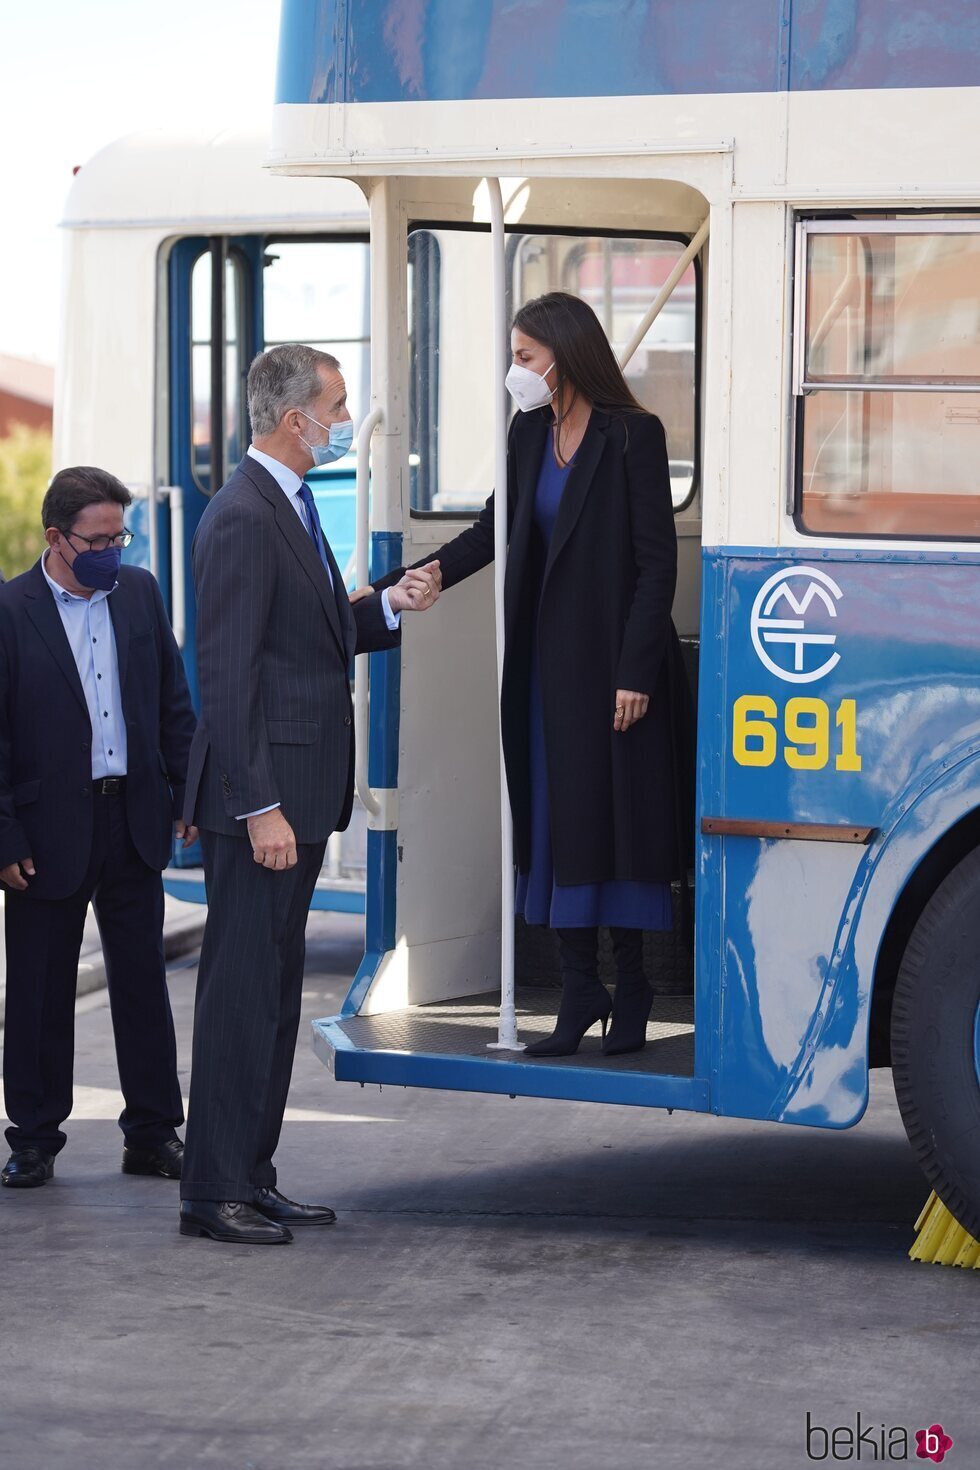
[529, 390]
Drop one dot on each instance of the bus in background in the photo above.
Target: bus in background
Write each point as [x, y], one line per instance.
[810, 163]
[183, 259]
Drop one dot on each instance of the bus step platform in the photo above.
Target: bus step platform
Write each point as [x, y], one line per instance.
[445, 1044]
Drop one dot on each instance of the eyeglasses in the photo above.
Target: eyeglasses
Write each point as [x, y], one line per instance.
[102, 543]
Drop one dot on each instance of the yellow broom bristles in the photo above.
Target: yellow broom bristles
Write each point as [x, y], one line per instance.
[942, 1240]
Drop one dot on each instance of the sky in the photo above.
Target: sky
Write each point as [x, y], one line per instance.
[76, 74]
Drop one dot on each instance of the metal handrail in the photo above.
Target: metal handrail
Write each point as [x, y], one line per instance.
[174, 494]
[665, 293]
[507, 1024]
[362, 547]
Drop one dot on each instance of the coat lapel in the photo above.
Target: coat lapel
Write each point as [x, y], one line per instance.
[119, 614]
[47, 620]
[300, 541]
[527, 467]
[344, 614]
[577, 486]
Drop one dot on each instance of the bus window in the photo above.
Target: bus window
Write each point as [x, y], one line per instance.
[619, 278]
[236, 435]
[451, 380]
[316, 291]
[888, 381]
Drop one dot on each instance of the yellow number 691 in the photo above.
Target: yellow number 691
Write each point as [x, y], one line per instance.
[806, 730]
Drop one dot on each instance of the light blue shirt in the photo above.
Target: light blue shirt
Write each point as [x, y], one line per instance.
[88, 624]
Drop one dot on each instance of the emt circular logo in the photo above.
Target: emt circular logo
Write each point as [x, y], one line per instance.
[790, 624]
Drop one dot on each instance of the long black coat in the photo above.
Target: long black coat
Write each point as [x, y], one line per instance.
[620, 802]
[46, 733]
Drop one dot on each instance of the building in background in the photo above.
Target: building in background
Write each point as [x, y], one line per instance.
[26, 394]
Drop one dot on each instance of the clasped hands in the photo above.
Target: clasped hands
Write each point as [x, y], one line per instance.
[418, 590]
[273, 839]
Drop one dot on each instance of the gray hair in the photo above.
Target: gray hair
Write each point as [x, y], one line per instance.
[285, 377]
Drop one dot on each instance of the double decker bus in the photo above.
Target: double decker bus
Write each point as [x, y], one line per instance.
[812, 173]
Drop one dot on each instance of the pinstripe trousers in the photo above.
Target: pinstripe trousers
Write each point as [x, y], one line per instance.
[246, 1016]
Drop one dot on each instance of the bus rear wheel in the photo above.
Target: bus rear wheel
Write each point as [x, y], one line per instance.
[936, 1041]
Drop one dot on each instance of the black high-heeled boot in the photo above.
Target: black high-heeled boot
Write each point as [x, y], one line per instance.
[633, 998]
[584, 998]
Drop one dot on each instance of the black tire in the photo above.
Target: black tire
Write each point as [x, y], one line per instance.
[934, 1015]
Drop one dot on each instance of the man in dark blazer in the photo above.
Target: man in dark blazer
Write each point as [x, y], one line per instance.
[95, 730]
[270, 778]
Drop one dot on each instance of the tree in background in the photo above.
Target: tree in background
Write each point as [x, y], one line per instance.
[25, 469]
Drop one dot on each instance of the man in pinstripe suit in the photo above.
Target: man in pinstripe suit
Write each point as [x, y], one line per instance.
[270, 777]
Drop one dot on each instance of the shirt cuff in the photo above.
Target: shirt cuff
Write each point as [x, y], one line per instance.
[393, 619]
[260, 813]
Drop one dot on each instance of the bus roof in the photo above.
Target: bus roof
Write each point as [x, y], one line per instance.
[387, 51]
[209, 178]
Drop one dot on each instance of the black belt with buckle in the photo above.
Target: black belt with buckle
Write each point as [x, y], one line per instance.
[110, 786]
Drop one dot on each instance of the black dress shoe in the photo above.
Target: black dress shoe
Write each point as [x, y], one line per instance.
[230, 1220]
[275, 1206]
[164, 1160]
[27, 1168]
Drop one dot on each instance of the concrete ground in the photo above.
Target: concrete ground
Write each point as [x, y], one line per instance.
[525, 1283]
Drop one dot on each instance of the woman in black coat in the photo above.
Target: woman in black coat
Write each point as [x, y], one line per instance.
[591, 661]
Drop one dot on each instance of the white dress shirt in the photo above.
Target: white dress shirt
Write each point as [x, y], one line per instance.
[290, 484]
[92, 639]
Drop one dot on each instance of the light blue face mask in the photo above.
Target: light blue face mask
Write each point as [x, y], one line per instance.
[340, 438]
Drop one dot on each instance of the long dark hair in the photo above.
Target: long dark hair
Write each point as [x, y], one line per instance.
[573, 334]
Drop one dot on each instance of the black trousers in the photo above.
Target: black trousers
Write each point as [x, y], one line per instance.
[44, 939]
[246, 1017]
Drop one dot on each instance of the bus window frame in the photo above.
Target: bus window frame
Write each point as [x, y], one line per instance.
[239, 262]
[951, 222]
[356, 237]
[248, 299]
[567, 231]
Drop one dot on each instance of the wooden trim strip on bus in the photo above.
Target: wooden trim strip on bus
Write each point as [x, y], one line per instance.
[795, 831]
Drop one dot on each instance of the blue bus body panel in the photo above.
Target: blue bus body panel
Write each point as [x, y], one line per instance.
[856, 667]
[447, 50]
[789, 930]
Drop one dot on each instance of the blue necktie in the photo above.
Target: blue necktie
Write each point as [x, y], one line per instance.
[313, 525]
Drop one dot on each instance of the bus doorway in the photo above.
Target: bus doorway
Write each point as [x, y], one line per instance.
[424, 1007]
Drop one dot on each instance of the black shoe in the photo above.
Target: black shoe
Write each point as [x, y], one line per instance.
[27, 1168]
[633, 1000]
[164, 1160]
[275, 1206]
[584, 998]
[230, 1220]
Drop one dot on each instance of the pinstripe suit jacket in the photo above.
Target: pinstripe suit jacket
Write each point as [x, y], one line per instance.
[274, 645]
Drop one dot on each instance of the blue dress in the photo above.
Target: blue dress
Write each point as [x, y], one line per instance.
[540, 900]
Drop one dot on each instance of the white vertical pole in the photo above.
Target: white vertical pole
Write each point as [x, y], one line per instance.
[362, 553]
[507, 1026]
[178, 588]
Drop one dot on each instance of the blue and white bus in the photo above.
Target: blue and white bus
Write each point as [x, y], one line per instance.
[788, 195]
